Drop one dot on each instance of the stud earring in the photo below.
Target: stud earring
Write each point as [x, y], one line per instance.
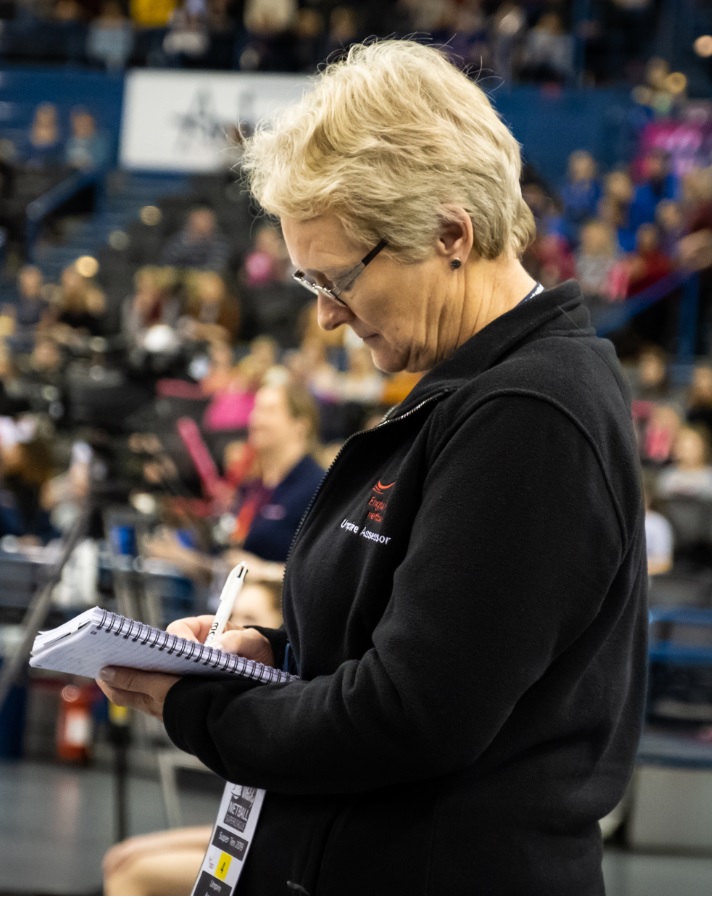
[455, 264]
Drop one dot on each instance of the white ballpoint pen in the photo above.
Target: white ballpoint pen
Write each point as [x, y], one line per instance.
[230, 591]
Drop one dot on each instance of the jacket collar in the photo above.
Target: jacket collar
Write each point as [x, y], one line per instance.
[562, 305]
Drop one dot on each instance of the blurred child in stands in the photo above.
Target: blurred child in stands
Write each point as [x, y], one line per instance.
[212, 312]
[657, 182]
[671, 223]
[87, 148]
[648, 264]
[596, 257]
[582, 191]
[659, 537]
[653, 375]
[26, 468]
[199, 243]
[232, 404]
[691, 472]
[110, 37]
[699, 397]
[219, 370]
[78, 308]
[154, 302]
[659, 433]
[268, 261]
[614, 207]
[43, 146]
[361, 382]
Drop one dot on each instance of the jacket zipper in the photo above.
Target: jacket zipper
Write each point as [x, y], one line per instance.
[386, 421]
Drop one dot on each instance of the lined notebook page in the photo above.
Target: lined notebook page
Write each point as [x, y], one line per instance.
[96, 638]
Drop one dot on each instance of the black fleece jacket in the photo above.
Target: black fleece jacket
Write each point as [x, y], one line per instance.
[465, 601]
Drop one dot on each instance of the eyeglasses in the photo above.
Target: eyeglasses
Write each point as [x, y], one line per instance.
[345, 282]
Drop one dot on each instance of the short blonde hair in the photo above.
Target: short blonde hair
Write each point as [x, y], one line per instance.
[388, 139]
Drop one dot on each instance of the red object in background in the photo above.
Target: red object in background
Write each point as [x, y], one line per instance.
[74, 723]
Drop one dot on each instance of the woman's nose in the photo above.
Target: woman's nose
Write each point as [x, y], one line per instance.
[331, 314]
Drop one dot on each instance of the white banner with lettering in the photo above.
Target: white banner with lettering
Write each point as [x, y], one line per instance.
[179, 120]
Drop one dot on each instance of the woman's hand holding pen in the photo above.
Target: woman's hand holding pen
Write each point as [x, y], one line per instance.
[147, 691]
[243, 641]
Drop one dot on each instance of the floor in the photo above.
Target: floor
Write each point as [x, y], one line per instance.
[57, 820]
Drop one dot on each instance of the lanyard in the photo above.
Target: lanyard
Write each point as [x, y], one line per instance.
[230, 841]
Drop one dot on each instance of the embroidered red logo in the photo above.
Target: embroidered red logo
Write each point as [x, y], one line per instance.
[377, 503]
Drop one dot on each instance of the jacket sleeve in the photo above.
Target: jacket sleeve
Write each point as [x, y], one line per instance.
[512, 553]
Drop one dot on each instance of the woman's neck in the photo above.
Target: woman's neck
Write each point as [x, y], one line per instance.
[276, 464]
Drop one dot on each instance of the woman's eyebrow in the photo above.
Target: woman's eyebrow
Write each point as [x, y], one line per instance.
[332, 274]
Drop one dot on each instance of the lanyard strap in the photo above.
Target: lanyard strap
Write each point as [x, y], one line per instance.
[232, 836]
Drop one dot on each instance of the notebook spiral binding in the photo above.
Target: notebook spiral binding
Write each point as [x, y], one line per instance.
[220, 661]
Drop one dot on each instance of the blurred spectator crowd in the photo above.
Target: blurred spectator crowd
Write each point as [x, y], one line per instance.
[180, 373]
[531, 40]
[179, 370]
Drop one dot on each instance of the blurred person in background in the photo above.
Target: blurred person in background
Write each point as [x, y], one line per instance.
[218, 373]
[659, 536]
[694, 250]
[547, 53]
[549, 259]
[211, 311]
[652, 376]
[614, 207]
[266, 45]
[13, 400]
[268, 261]
[232, 403]
[110, 38]
[690, 473]
[155, 301]
[658, 182]
[596, 256]
[43, 147]
[670, 220]
[342, 30]
[659, 432]
[648, 263]
[271, 499]
[87, 148]
[27, 466]
[699, 396]
[31, 306]
[361, 382]
[313, 367]
[77, 310]
[199, 243]
[581, 191]
[308, 35]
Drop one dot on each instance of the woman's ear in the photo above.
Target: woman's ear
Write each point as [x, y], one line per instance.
[456, 238]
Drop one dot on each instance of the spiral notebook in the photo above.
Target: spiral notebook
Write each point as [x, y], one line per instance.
[96, 638]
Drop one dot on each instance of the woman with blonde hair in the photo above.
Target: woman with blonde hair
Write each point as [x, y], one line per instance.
[464, 601]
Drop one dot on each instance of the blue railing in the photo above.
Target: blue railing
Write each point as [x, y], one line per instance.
[666, 649]
[43, 206]
[687, 283]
